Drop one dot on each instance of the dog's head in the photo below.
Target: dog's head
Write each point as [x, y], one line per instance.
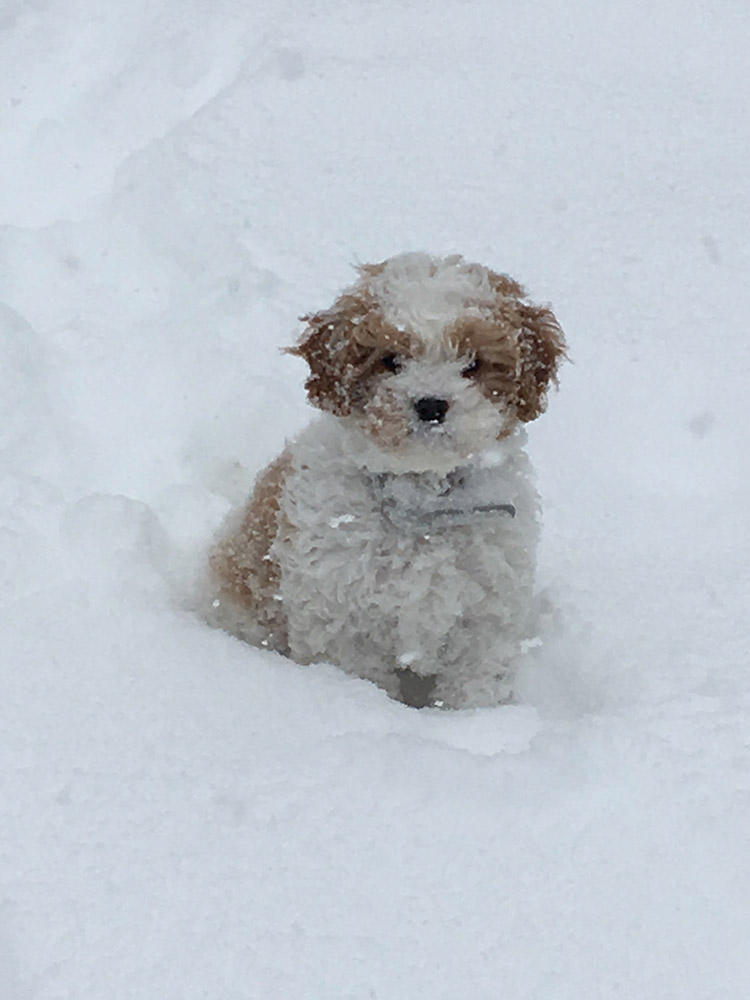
[430, 359]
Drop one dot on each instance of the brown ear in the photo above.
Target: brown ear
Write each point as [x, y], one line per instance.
[342, 345]
[337, 349]
[541, 344]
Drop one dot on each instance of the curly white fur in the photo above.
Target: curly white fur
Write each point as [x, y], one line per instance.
[396, 536]
[375, 579]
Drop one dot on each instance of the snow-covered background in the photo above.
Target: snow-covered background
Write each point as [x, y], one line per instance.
[183, 817]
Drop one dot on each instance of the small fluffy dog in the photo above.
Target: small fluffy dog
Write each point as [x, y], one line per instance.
[395, 536]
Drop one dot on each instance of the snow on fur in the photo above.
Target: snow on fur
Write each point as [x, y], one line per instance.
[381, 540]
[184, 816]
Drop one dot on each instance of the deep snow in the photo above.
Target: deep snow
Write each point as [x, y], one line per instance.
[184, 817]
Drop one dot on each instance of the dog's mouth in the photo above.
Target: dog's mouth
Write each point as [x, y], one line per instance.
[423, 431]
[400, 444]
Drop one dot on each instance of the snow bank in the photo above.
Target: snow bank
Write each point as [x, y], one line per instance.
[184, 817]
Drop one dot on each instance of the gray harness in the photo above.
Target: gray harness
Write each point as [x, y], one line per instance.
[427, 501]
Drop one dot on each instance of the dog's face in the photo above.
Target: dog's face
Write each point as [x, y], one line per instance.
[431, 360]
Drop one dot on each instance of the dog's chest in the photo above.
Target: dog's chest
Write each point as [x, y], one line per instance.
[359, 547]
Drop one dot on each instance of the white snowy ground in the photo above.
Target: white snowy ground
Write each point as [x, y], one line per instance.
[183, 817]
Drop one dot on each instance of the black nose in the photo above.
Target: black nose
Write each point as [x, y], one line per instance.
[431, 409]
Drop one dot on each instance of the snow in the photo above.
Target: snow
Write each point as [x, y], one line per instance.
[185, 817]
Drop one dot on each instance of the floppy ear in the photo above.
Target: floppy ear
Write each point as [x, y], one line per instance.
[541, 345]
[334, 354]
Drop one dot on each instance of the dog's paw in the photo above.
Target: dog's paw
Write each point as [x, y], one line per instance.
[414, 689]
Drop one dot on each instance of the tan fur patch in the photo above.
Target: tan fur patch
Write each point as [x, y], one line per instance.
[493, 345]
[248, 576]
[388, 421]
[542, 346]
[518, 351]
[343, 346]
[505, 286]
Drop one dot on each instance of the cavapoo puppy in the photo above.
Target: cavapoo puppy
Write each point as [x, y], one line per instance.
[395, 537]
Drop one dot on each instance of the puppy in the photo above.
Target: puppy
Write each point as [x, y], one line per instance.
[395, 537]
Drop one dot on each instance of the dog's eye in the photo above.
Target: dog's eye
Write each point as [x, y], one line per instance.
[391, 362]
[472, 368]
